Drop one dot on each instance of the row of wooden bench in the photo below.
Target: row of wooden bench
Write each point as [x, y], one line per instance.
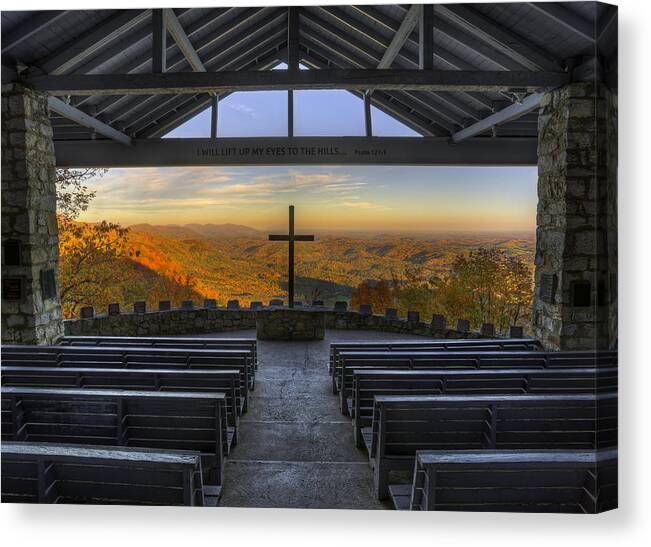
[247, 344]
[467, 358]
[458, 428]
[59, 399]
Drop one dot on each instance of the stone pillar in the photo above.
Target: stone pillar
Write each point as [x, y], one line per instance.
[575, 303]
[31, 310]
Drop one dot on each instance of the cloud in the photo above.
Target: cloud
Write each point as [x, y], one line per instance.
[244, 109]
[167, 192]
[361, 205]
[344, 188]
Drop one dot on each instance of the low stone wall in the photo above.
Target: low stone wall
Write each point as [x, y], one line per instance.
[209, 320]
[160, 323]
[290, 324]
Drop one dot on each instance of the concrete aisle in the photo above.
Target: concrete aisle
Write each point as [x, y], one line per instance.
[296, 449]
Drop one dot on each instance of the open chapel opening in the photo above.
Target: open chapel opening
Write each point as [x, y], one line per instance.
[226, 229]
[487, 101]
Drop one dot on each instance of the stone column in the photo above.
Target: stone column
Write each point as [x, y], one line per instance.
[31, 310]
[575, 303]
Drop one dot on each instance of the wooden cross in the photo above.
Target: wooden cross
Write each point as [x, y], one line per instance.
[291, 237]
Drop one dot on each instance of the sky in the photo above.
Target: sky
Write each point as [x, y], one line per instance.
[373, 198]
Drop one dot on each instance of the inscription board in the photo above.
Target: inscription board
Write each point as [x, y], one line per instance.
[547, 290]
[48, 284]
[12, 289]
[297, 151]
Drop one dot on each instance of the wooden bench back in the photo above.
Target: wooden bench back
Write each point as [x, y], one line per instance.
[524, 344]
[219, 381]
[515, 481]
[249, 344]
[404, 424]
[60, 473]
[465, 360]
[163, 420]
[415, 346]
[118, 357]
[367, 384]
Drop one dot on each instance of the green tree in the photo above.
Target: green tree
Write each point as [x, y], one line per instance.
[486, 286]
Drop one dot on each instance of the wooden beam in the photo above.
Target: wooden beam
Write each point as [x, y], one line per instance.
[426, 37]
[173, 26]
[292, 61]
[91, 43]
[469, 43]
[293, 33]
[359, 79]
[560, 15]
[368, 122]
[221, 58]
[407, 26]
[33, 25]
[158, 42]
[518, 48]
[297, 151]
[77, 116]
[510, 113]
[290, 113]
[182, 109]
[214, 115]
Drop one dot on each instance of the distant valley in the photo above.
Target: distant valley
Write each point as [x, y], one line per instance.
[229, 261]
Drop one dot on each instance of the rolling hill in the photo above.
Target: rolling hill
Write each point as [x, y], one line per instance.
[233, 261]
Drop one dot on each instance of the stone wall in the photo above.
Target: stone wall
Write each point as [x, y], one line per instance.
[290, 324]
[31, 313]
[576, 255]
[161, 323]
[207, 320]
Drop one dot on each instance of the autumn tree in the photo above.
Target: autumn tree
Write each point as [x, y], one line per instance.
[378, 294]
[86, 251]
[486, 286]
[413, 291]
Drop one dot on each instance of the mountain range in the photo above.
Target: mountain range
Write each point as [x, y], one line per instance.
[228, 261]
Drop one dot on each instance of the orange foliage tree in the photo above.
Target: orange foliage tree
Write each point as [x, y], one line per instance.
[378, 294]
[86, 251]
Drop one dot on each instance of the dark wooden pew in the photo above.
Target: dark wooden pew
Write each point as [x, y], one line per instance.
[218, 381]
[368, 384]
[403, 425]
[551, 481]
[69, 473]
[496, 344]
[132, 358]
[249, 344]
[484, 360]
[147, 419]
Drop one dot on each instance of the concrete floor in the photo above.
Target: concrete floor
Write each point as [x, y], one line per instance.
[295, 448]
